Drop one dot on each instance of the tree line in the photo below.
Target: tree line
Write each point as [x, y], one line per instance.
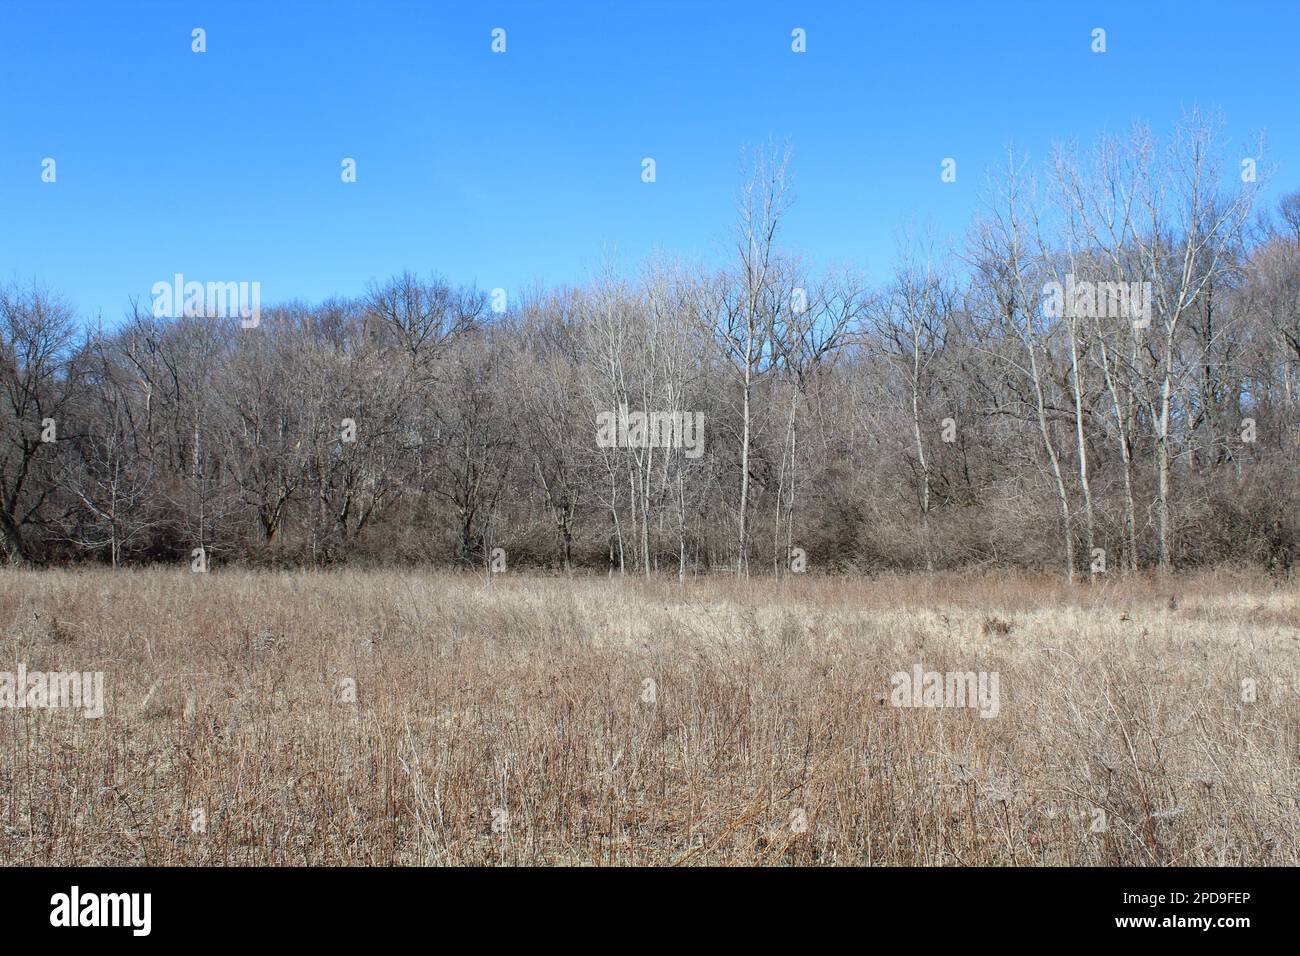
[1101, 378]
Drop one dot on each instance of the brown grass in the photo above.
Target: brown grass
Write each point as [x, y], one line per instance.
[223, 695]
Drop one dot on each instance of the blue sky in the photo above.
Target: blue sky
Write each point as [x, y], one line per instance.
[525, 168]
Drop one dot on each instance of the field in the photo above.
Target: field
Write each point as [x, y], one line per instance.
[388, 717]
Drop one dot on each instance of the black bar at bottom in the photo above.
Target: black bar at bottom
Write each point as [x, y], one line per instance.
[336, 906]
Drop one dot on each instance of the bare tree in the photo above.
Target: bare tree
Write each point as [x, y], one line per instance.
[1005, 259]
[37, 331]
[745, 317]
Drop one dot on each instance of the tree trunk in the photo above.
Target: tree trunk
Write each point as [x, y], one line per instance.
[1076, 375]
[742, 556]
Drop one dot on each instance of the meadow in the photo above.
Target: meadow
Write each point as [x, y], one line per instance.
[419, 718]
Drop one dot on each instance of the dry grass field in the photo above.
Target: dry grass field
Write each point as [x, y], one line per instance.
[512, 723]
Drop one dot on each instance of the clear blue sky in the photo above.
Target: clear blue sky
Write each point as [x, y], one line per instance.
[523, 168]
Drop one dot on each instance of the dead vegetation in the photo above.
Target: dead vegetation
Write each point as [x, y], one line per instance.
[542, 720]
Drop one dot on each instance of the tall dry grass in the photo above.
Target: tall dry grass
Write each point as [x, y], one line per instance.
[509, 723]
